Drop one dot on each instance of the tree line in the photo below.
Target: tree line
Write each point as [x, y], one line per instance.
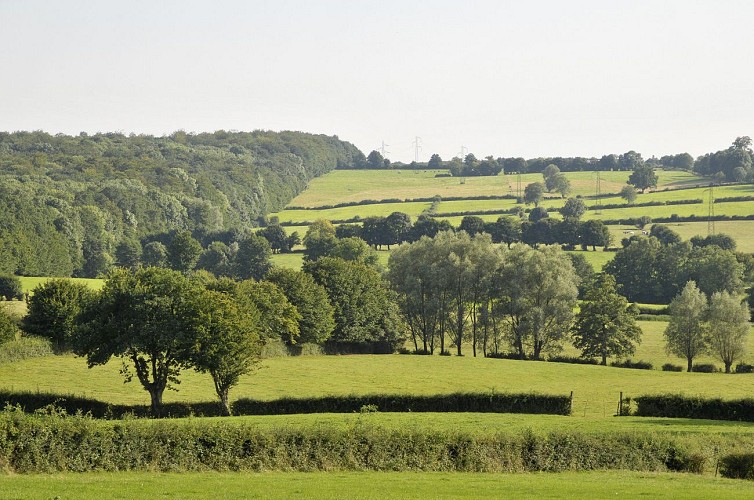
[68, 203]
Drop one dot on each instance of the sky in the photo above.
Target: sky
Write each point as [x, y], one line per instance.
[501, 78]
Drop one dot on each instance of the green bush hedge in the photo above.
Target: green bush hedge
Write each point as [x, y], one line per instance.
[55, 443]
[23, 348]
[677, 406]
[738, 466]
[457, 402]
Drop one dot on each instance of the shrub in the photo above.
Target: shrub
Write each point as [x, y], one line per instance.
[678, 406]
[573, 360]
[53, 442]
[744, 368]
[637, 365]
[704, 368]
[10, 288]
[23, 348]
[670, 367]
[8, 327]
[738, 466]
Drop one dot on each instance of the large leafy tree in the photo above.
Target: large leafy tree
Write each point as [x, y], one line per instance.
[505, 229]
[317, 322]
[643, 177]
[366, 312]
[252, 260]
[53, 308]
[226, 341]
[606, 324]
[320, 240]
[729, 327]
[533, 193]
[573, 208]
[686, 333]
[278, 317]
[537, 291]
[143, 317]
[183, 251]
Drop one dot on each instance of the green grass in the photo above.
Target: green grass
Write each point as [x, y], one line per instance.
[742, 231]
[14, 307]
[345, 213]
[596, 388]
[376, 485]
[289, 260]
[341, 186]
[597, 259]
[30, 283]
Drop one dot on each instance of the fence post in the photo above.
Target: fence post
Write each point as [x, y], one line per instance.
[620, 405]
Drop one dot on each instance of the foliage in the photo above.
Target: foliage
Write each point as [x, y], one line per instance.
[8, 327]
[574, 208]
[538, 290]
[143, 317]
[320, 240]
[68, 204]
[183, 251]
[533, 193]
[686, 333]
[628, 193]
[737, 466]
[316, 322]
[226, 340]
[252, 260]
[643, 177]
[605, 325]
[635, 365]
[53, 309]
[680, 406]
[734, 163]
[728, 327]
[24, 348]
[278, 318]
[365, 307]
[10, 288]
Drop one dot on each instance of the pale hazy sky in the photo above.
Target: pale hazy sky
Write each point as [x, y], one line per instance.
[524, 78]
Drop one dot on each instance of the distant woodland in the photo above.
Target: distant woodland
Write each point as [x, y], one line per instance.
[74, 206]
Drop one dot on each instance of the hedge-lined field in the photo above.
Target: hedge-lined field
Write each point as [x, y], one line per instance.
[340, 186]
[374, 485]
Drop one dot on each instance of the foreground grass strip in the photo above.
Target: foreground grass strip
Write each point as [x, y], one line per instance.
[376, 485]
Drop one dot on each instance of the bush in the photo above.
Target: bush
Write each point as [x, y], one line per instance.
[8, 328]
[744, 368]
[53, 442]
[636, 365]
[23, 348]
[704, 368]
[738, 466]
[573, 360]
[503, 355]
[679, 406]
[10, 288]
[670, 367]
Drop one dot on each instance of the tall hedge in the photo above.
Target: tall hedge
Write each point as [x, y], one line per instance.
[678, 406]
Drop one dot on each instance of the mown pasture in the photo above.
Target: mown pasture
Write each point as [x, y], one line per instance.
[341, 186]
[373, 485]
[596, 388]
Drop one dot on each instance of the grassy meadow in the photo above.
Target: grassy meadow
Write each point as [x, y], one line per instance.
[372, 485]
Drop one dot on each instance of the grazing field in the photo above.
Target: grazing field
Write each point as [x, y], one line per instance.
[340, 186]
[742, 231]
[596, 388]
[376, 485]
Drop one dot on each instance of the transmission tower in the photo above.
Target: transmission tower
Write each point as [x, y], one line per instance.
[462, 153]
[383, 149]
[710, 210]
[598, 193]
[518, 185]
[417, 146]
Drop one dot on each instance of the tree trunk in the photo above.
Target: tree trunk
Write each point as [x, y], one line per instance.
[690, 361]
[224, 401]
[604, 359]
[156, 396]
[727, 366]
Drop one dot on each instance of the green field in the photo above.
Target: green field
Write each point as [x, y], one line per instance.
[375, 485]
[742, 231]
[596, 388]
[340, 186]
[30, 283]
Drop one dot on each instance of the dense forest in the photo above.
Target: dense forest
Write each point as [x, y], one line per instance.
[69, 204]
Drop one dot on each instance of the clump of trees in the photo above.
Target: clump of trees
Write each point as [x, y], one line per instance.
[718, 326]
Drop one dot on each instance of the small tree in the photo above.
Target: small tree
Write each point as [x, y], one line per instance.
[573, 208]
[253, 258]
[560, 184]
[686, 333]
[728, 327]
[629, 193]
[183, 251]
[643, 177]
[278, 317]
[605, 325]
[533, 193]
[155, 254]
[226, 340]
[53, 310]
[8, 327]
[10, 288]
